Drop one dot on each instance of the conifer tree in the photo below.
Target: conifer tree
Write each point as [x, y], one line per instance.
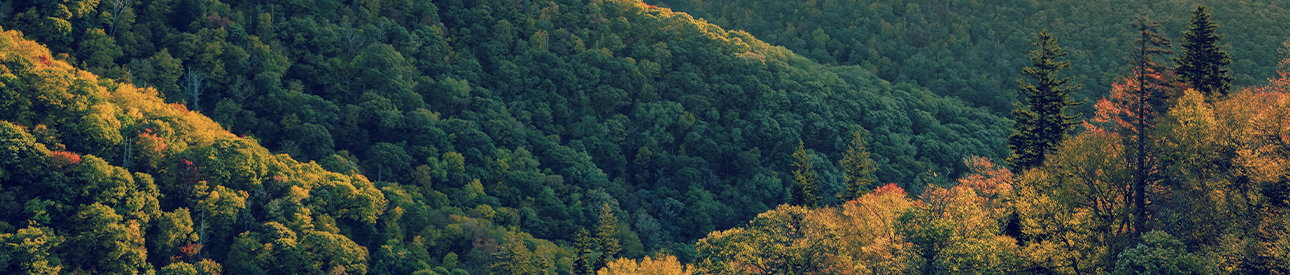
[1146, 103]
[582, 244]
[805, 180]
[1044, 123]
[607, 236]
[1202, 61]
[858, 168]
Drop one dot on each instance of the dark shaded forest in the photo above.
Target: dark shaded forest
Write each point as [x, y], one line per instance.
[970, 49]
[615, 137]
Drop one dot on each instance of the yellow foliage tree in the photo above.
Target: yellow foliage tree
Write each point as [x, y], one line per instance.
[660, 264]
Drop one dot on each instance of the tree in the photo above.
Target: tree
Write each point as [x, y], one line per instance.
[805, 180]
[29, 251]
[957, 229]
[1201, 65]
[21, 157]
[178, 268]
[160, 71]
[858, 168]
[582, 243]
[118, 7]
[660, 264]
[1284, 64]
[870, 233]
[607, 236]
[388, 160]
[315, 139]
[1160, 253]
[1144, 103]
[194, 84]
[515, 258]
[790, 239]
[1044, 123]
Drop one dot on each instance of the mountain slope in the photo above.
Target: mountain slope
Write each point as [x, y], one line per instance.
[481, 123]
[975, 50]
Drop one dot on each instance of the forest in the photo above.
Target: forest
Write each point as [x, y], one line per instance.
[627, 137]
[971, 49]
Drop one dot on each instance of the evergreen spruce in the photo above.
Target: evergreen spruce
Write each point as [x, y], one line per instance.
[858, 168]
[607, 237]
[805, 181]
[1202, 62]
[1044, 123]
[582, 244]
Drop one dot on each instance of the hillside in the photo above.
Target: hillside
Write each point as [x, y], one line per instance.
[974, 50]
[393, 137]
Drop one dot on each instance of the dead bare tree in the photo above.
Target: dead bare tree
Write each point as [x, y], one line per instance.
[118, 7]
[194, 83]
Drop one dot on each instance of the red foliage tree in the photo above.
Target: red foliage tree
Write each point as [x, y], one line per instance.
[889, 188]
[64, 161]
[1280, 84]
[180, 107]
[1130, 102]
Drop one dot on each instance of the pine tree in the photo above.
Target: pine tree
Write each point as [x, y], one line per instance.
[858, 167]
[607, 236]
[1202, 61]
[1044, 123]
[805, 180]
[582, 244]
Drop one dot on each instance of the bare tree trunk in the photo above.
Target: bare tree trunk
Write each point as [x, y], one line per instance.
[125, 158]
[118, 7]
[194, 83]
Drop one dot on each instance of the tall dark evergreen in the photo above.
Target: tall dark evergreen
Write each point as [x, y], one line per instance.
[805, 181]
[1043, 123]
[607, 237]
[1146, 104]
[1203, 61]
[858, 168]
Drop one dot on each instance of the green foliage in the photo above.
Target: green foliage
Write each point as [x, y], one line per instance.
[515, 258]
[582, 261]
[22, 157]
[1160, 253]
[786, 240]
[1203, 61]
[858, 168]
[1043, 123]
[439, 130]
[972, 50]
[607, 237]
[179, 268]
[30, 251]
[161, 71]
[805, 181]
[420, 94]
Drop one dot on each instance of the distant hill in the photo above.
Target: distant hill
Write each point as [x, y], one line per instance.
[975, 50]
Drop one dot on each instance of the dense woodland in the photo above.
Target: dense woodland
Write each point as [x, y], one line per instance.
[971, 48]
[618, 137]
